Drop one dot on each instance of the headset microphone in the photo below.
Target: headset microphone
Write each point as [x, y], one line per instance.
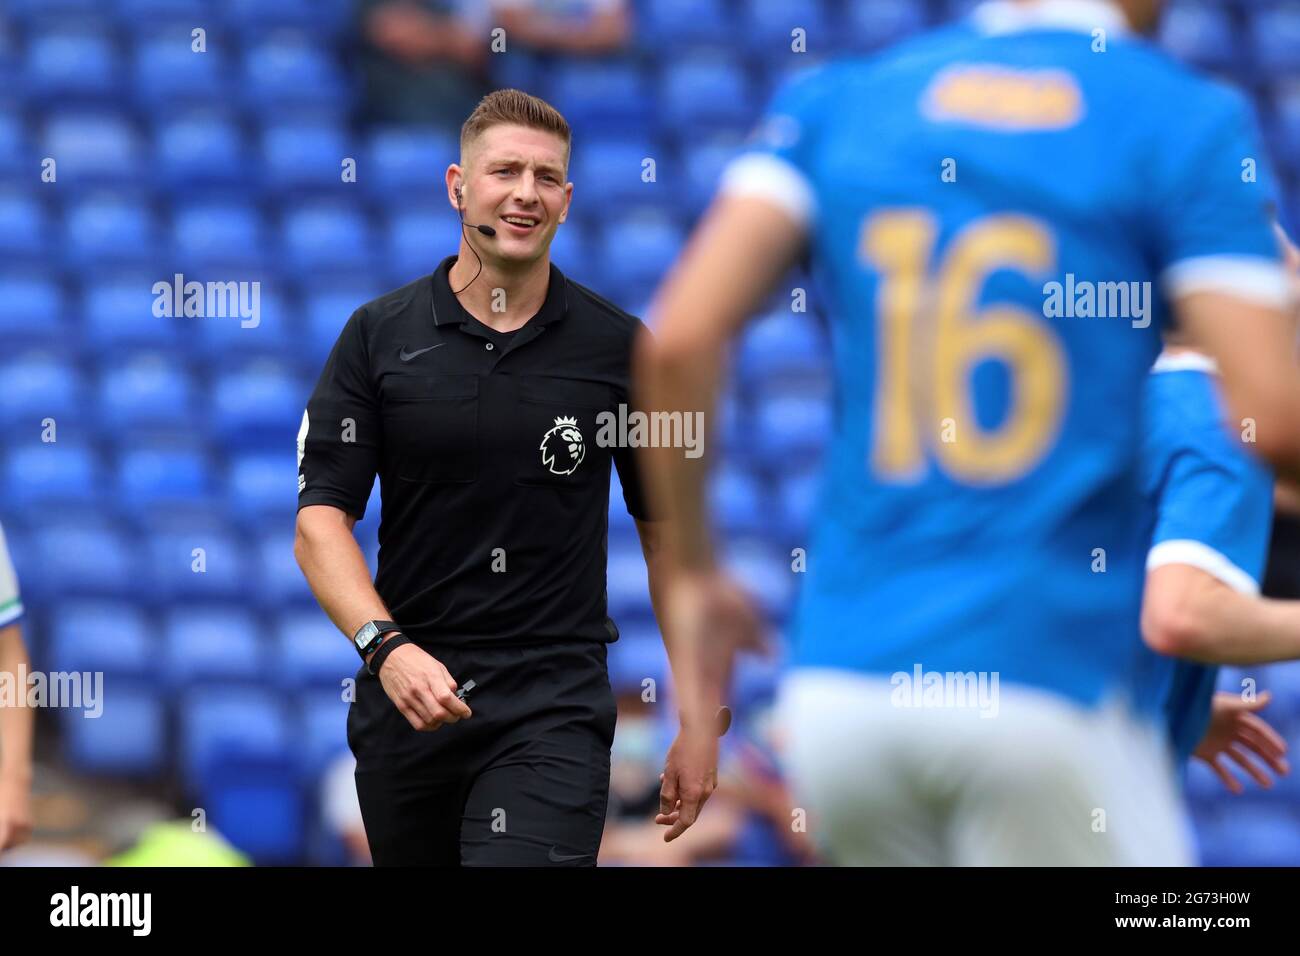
[485, 230]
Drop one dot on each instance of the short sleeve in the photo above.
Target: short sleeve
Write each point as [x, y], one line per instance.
[630, 461]
[340, 437]
[1214, 195]
[11, 605]
[777, 162]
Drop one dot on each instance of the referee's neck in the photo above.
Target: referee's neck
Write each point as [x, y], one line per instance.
[505, 295]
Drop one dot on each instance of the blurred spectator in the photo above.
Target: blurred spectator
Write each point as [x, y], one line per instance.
[341, 810]
[423, 61]
[584, 27]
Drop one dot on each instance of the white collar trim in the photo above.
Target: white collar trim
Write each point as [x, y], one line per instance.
[1083, 16]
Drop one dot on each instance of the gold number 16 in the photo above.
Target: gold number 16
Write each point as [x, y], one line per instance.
[931, 339]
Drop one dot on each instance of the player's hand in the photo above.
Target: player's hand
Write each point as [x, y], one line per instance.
[421, 688]
[15, 813]
[1236, 730]
[690, 776]
[711, 616]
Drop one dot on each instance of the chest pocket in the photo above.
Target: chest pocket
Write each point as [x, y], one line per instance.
[558, 423]
[431, 426]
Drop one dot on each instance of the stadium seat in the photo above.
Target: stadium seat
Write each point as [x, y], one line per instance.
[765, 571]
[782, 348]
[33, 311]
[257, 803]
[1200, 33]
[673, 24]
[792, 427]
[402, 165]
[129, 737]
[418, 239]
[36, 385]
[50, 474]
[147, 13]
[79, 558]
[24, 227]
[94, 149]
[199, 563]
[258, 405]
[145, 389]
[611, 171]
[798, 496]
[328, 311]
[604, 97]
[119, 313]
[639, 248]
[199, 152]
[277, 582]
[322, 18]
[313, 654]
[15, 159]
[261, 487]
[215, 235]
[324, 722]
[206, 645]
[325, 238]
[738, 499]
[113, 230]
[170, 75]
[1266, 836]
[1275, 39]
[259, 323]
[770, 23]
[626, 584]
[108, 636]
[67, 66]
[305, 157]
[704, 97]
[868, 26]
[154, 476]
[284, 74]
[703, 165]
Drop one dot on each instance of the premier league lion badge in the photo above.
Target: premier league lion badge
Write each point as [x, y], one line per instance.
[562, 447]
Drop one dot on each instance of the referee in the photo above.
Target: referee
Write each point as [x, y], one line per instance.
[474, 393]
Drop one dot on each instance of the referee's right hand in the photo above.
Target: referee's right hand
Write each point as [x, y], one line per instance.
[421, 688]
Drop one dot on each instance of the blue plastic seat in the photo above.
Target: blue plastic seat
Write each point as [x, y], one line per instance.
[867, 26]
[108, 636]
[328, 311]
[792, 427]
[1275, 39]
[402, 164]
[33, 311]
[798, 496]
[283, 74]
[24, 227]
[604, 96]
[78, 558]
[258, 405]
[170, 75]
[129, 737]
[35, 385]
[223, 722]
[299, 155]
[261, 487]
[784, 347]
[200, 151]
[145, 389]
[770, 23]
[259, 804]
[703, 165]
[146, 13]
[706, 95]
[324, 18]
[739, 500]
[68, 65]
[214, 644]
[324, 722]
[215, 235]
[95, 149]
[418, 239]
[110, 229]
[626, 583]
[609, 172]
[277, 581]
[313, 654]
[672, 24]
[258, 322]
[51, 474]
[321, 238]
[640, 248]
[152, 476]
[15, 149]
[1199, 33]
[1266, 836]
[119, 313]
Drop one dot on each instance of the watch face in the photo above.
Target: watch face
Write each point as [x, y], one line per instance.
[366, 635]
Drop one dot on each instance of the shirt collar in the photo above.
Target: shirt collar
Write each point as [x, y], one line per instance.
[1082, 16]
[447, 309]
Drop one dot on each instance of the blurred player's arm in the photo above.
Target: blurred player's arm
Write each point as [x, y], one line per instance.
[16, 728]
[1189, 613]
[1254, 346]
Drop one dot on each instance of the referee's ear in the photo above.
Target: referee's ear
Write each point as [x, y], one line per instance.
[455, 184]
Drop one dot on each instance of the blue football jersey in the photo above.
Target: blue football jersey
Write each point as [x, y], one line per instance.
[998, 213]
[1213, 505]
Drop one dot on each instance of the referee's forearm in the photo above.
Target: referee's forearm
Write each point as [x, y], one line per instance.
[332, 562]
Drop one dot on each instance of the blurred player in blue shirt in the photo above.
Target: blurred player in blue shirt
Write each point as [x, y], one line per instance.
[1002, 216]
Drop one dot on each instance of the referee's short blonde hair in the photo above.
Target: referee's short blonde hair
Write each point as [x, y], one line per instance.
[514, 108]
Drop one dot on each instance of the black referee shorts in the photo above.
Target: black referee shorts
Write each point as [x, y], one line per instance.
[524, 782]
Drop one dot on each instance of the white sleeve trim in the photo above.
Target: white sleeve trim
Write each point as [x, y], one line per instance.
[1256, 279]
[1199, 555]
[769, 177]
[1185, 362]
[11, 613]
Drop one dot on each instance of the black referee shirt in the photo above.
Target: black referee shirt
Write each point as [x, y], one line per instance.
[495, 494]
